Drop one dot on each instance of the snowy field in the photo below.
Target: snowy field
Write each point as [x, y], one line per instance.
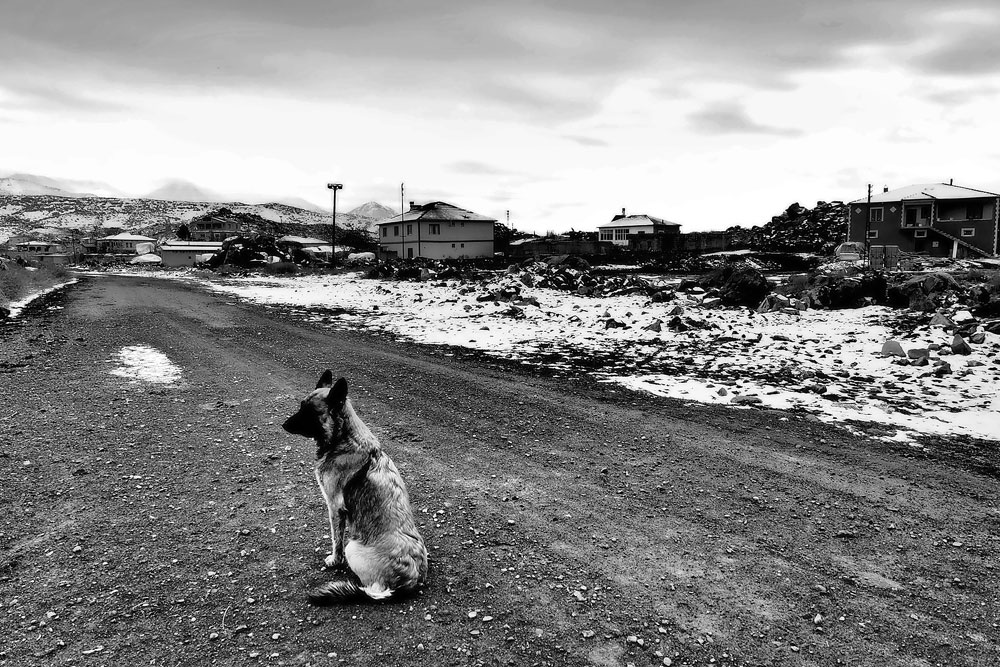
[827, 363]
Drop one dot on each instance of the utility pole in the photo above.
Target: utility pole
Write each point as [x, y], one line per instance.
[868, 228]
[333, 231]
[402, 227]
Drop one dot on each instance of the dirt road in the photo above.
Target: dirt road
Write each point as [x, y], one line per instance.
[568, 522]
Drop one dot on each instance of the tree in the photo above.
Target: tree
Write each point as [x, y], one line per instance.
[183, 233]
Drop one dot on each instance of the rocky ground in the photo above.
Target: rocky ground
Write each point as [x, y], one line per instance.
[154, 513]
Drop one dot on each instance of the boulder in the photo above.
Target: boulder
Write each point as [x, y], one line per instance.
[941, 320]
[614, 324]
[4, 313]
[942, 368]
[739, 285]
[917, 353]
[992, 327]
[745, 400]
[978, 338]
[960, 346]
[655, 325]
[892, 348]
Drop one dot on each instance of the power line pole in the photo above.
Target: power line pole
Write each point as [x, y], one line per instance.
[402, 226]
[868, 228]
[333, 231]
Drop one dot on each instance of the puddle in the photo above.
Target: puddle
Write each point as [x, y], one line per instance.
[142, 363]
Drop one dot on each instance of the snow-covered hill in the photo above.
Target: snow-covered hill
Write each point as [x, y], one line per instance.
[57, 216]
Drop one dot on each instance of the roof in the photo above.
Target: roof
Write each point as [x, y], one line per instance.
[637, 220]
[926, 191]
[434, 211]
[302, 240]
[125, 236]
[188, 246]
[36, 243]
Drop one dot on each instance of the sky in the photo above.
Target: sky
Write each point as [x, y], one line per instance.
[709, 113]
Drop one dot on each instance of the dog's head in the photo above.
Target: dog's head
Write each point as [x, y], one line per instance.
[321, 414]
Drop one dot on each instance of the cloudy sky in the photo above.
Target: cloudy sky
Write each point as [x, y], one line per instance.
[705, 112]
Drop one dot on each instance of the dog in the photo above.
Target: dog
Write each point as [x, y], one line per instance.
[371, 524]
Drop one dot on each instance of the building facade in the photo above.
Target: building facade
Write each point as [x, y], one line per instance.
[436, 230]
[936, 219]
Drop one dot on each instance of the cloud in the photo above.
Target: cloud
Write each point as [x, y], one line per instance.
[731, 118]
[477, 168]
[586, 141]
[53, 97]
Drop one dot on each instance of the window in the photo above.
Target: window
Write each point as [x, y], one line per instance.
[935, 244]
[463, 245]
[968, 231]
[607, 235]
[385, 231]
[973, 212]
[621, 234]
[920, 233]
[434, 228]
[409, 229]
[873, 233]
[395, 230]
[452, 245]
[875, 214]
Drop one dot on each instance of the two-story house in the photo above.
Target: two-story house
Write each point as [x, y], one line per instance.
[436, 230]
[937, 219]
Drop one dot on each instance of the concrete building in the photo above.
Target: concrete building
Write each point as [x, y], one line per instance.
[936, 219]
[436, 230]
[188, 253]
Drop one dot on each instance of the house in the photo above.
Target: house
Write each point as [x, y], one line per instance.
[125, 244]
[436, 230]
[623, 227]
[215, 227]
[188, 253]
[314, 247]
[43, 252]
[937, 219]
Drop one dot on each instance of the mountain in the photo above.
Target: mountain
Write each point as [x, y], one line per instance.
[18, 184]
[304, 204]
[372, 210]
[73, 187]
[180, 190]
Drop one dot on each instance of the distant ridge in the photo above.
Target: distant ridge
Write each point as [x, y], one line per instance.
[20, 184]
[180, 190]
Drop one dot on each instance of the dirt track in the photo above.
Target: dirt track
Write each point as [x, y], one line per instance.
[568, 522]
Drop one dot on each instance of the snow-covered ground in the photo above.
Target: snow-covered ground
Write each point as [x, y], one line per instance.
[16, 307]
[828, 363]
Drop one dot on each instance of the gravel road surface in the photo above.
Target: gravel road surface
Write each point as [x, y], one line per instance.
[166, 519]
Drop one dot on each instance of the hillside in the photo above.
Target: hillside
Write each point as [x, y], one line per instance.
[58, 216]
[798, 229]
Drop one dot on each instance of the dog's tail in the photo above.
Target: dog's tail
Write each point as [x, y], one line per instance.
[341, 591]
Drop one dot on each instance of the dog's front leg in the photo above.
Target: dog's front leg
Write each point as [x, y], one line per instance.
[338, 528]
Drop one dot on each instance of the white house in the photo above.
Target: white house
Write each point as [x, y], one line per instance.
[436, 230]
[188, 253]
[125, 244]
[624, 226]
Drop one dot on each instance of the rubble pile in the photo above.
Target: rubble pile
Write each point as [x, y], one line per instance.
[797, 229]
[245, 252]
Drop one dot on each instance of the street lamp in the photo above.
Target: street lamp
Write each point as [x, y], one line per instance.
[333, 232]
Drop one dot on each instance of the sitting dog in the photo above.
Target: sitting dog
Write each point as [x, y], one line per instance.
[366, 500]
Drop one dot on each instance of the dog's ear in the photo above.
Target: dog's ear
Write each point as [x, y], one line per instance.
[338, 395]
[325, 380]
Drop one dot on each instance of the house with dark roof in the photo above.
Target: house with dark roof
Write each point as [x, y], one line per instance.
[623, 227]
[436, 230]
[937, 219]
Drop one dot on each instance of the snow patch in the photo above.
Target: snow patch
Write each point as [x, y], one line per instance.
[142, 363]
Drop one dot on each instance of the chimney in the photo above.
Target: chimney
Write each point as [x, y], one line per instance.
[885, 188]
[951, 181]
[413, 205]
[623, 211]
